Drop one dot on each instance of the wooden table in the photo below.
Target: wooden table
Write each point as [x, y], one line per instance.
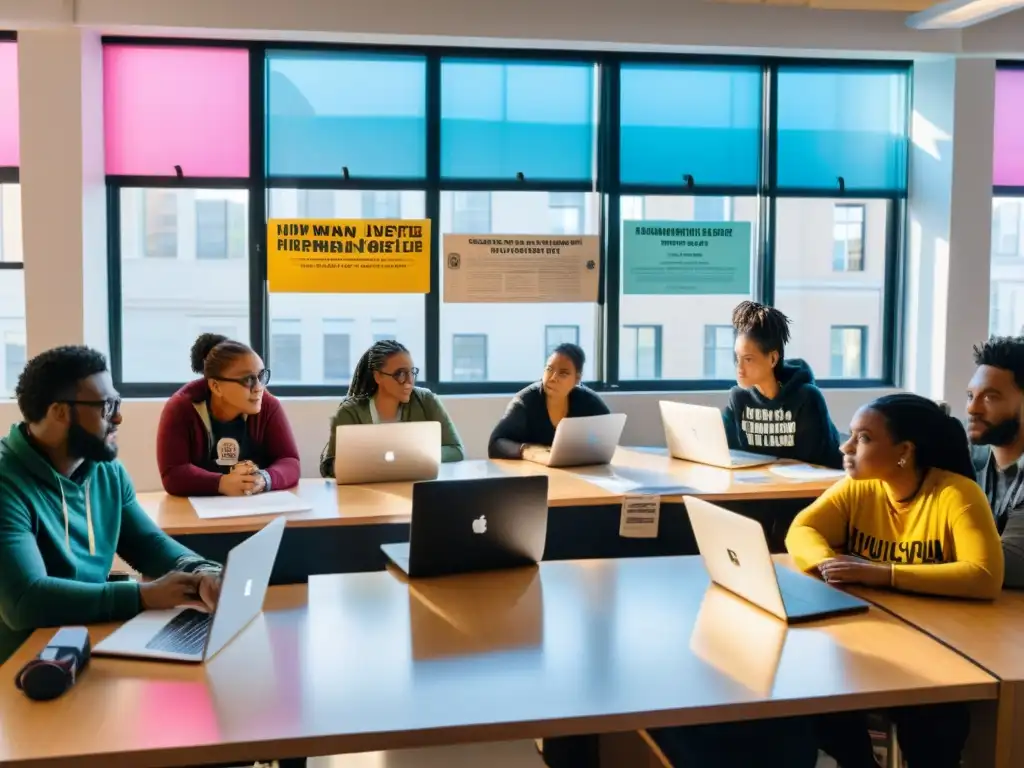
[347, 524]
[361, 662]
[989, 634]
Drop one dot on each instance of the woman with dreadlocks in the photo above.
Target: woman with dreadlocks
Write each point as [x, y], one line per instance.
[776, 409]
[383, 390]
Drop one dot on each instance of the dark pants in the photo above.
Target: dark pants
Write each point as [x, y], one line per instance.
[779, 743]
[929, 737]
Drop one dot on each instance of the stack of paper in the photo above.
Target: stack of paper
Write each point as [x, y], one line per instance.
[806, 472]
[272, 503]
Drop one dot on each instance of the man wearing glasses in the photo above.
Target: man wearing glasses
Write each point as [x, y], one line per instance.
[67, 506]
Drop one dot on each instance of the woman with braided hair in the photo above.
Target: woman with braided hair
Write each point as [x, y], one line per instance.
[383, 390]
[776, 409]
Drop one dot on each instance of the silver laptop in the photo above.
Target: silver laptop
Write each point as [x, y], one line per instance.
[586, 440]
[187, 634]
[387, 453]
[736, 556]
[697, 433]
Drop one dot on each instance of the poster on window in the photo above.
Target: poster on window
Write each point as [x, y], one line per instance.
[686, 257]
[348, 256]
[521, 268]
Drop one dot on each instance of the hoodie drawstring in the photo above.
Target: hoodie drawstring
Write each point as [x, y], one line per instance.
[67, 518]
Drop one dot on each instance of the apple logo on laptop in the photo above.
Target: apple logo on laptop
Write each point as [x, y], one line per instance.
[733, 557]
[480, 525]
[248, 587]
[389, 456]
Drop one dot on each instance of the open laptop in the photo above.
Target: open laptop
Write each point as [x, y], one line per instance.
[697, 433]
[460, 526]
[387, 453]
[736, 556]
[586, 440]
[187, 634]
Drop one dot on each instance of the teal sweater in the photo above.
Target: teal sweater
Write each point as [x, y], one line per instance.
[422, 406]
[49, 577]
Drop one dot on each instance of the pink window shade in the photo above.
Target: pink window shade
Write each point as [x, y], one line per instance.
[1008, 166]
[8, 104]
[168, 106]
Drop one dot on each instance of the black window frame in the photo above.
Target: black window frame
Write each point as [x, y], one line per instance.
[605, 370]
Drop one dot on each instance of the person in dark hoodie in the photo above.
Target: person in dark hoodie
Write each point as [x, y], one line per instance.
[776, 409]
[67, 506]
[224, 433]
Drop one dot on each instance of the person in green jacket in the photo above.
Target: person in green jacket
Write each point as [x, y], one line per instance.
[383, 390]
[67, 506]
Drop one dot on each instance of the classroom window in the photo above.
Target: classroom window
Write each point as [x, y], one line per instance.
[686, 307]
[193, 271]
[315, 204]
[568, 212]
[378, 204]
[809, 289]
[338, 350]
[848, 238]
[12, 274]
[403, 311]
[1006, 308]
[14, 361]
[641, 352]
[1006, 227]
[469, 357]
[719, 358]
[286, 350]
[559, 334]
[471, 212]
[513, 325]
[711, 209]
[848, 344]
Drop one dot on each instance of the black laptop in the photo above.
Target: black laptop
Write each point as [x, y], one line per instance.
[485, 524]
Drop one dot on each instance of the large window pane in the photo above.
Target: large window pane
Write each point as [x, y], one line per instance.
[499, 119]
[173, 287]
[10, 224]
[842, 122]
[1006, 309]
[12, 329]
[1008, 157]
[329, 111]
[328, 323]
[516, 332]
[817, 296]
[704, 121]
[9, 146]
[660, 335]
[175, 105]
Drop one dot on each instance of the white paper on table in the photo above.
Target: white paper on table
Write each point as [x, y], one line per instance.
[272, 503]
[640, 514]
[806, 472]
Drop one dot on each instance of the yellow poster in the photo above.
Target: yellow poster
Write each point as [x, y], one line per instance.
[348, 256]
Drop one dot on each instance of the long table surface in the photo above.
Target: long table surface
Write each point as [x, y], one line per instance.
[364, 662]
[383, 503]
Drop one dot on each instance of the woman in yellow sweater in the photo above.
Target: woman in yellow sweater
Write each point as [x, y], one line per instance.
[908, 516]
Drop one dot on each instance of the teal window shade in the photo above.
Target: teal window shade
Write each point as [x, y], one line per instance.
[329, 111]
[499, 119]
[842, 122]
[702, 121]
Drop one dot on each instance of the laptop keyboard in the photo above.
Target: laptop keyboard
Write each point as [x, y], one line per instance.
[185, 633]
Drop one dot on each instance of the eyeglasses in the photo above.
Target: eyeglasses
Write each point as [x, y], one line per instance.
[250, 382]
[402, 375]
[111, 407]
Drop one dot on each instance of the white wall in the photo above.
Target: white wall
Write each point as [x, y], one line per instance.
[474, 417]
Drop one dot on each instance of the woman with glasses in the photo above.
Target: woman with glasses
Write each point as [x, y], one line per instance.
[383, 391]
[527, 429]
[224, 433]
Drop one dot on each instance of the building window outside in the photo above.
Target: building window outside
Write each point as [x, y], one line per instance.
[160, 224]
[382, 204]
[848, 347]
[719, 358]
[641, 354]
[286, 350]
[15, 358]
[1006, 228]
[469, 357]
[220, 229]
[559, 334]
[711, 209]
[848, 238]
[471, 212]
[337, 350]
[316, 204]
[567, 212]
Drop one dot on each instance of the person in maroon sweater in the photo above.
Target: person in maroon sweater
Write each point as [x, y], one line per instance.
[224, 433]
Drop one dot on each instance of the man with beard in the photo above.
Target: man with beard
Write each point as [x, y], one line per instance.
[995, 407]
[67, 507]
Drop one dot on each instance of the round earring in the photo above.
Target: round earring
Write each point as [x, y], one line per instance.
[902, 462]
